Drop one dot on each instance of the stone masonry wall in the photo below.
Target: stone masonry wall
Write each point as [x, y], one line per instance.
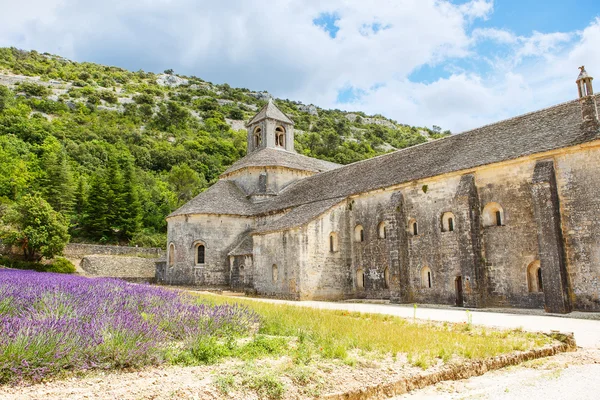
[134, 268]
[326, 274]
[219, 233]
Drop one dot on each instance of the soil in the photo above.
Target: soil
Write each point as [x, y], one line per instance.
[238, 380]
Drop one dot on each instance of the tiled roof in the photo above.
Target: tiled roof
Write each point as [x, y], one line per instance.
[552, 128]
[243, 247]
[271, 157]
[270, 111]
[299, 216]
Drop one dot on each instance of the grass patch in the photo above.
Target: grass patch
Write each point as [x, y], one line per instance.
[332, 334]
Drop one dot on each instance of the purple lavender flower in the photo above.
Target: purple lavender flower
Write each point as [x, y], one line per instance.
[52, 322]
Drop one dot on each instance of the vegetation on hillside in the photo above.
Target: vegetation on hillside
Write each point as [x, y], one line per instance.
[115, 151]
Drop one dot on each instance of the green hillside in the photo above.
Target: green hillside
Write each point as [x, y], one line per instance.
[116, 151]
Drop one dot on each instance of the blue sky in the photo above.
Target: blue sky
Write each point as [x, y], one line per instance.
[456, 64]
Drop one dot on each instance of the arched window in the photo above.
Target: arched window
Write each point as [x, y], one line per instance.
[381, 230]
[359, 234]
[493, 215]
[274, 273]
[426, 278]
[171, 254]
[448, 222]
[413, 227]
[200, 253]
[333, 242]
[257, 137]
[280, 136]
[386, 276]
[534, 277]
[360, 278]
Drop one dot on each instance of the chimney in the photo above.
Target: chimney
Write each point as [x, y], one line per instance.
[589, 111]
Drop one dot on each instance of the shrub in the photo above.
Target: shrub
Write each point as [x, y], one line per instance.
[61, 265]
[108, 96]
[33, 89]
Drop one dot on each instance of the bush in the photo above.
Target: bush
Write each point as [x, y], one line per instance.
[33, 89]
[61, 265]
[108, 96]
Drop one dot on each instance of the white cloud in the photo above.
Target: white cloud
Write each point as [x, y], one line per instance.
[274, 45]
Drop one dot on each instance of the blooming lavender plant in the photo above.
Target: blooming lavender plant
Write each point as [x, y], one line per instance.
[52, 322]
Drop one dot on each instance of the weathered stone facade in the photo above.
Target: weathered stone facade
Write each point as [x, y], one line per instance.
[505, 215]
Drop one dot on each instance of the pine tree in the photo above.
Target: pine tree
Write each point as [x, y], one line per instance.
[80, 203]
[95, 223]
[57, 185]
[131, 218]
[114, 197]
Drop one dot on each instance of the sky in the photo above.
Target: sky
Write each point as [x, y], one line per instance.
[456, 64]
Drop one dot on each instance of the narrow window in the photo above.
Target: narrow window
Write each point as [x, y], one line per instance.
[171, 254]
[274, 273]
[280, 136]
[386, 276]
[381, 229]
[450, 224]
[257, 137]
[415, 229]
[539, 278]
[492, 215]
[359, 234]
[426, 278]
[200, 251]
[360, 279]
[333, 242]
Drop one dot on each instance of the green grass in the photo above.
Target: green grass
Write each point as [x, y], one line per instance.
[306, 334]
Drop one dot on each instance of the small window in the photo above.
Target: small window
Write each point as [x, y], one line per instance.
[413, 227]
[200, 253]
[426, 278]
[534, 277]
[447, 222]
[171, 254]
[493, 215]
[333, 242]
[386, 276]
[274, 273]
[280, 136]
[257, 137]
[359, 234]
[381, 230]
[360, 278]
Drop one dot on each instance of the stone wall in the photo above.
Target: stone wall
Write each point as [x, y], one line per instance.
[218, 233]
[130, 268]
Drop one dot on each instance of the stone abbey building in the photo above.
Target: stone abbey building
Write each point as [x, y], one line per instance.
[504, 215]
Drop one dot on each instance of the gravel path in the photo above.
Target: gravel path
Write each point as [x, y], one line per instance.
[562, 377]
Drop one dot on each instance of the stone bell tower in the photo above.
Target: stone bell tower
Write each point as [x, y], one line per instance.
[589, 111]
[270, 128]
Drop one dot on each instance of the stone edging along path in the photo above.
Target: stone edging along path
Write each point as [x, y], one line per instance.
[455, 372]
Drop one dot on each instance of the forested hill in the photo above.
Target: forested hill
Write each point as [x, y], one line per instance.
[116, 151]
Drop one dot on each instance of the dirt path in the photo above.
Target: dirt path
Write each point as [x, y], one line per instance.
[564, 376]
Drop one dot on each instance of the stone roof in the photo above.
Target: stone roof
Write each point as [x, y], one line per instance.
[243, 247]
[224, 197]
[270, 111]
[552, 128]
[299, 216]
[272, 157]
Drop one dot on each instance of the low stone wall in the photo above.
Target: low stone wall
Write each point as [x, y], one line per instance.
[129, 268]
[80, 250]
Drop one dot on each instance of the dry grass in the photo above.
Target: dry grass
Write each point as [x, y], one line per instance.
[332, 334]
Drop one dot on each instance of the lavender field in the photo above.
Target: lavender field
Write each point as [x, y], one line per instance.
[50, 323]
